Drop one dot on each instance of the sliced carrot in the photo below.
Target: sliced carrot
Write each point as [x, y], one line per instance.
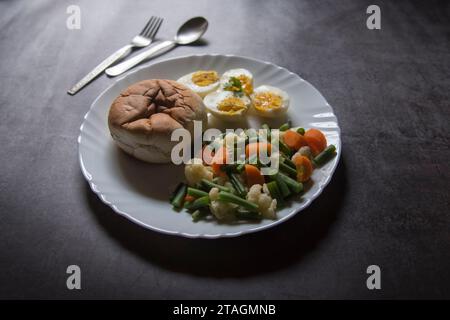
[188, 198]
[256, 147]
[316, 140]
[294, 140]
[253, 175]
[304, 168]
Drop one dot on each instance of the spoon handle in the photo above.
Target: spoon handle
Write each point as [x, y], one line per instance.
[144, 55]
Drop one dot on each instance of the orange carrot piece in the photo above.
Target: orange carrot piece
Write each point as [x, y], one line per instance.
[253, 175]
[304, 168]
[188, 198]
[294, 140]
[316, 140]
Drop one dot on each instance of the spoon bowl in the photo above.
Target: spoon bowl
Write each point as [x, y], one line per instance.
[191, 30]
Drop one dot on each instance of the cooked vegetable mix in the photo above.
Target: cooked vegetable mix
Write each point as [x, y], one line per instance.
[239, 191]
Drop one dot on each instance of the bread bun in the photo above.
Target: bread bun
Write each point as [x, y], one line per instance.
[142, 118]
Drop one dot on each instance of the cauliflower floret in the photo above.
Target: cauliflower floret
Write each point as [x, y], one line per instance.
[213, 194]
[221, 210]
[260, 195]
[195, 171]
[303, 151]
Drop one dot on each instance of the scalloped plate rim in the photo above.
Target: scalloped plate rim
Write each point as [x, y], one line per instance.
[88, 176]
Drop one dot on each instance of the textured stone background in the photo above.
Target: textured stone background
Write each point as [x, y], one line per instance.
[388, 203]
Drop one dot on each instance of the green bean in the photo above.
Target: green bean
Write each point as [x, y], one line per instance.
[285, 126]
[178, 196]
[195, 215]
[284, 148]
[287, 169]
[301, 131]
[288, 161]
[198, 215]
[324, 156]
[248, 215]
[284, 189]
[275, 192]
[197, 193]
[187, 204]
[229, 197]
[237, 184]
[198, 203]
[293, 185]
[208, 185]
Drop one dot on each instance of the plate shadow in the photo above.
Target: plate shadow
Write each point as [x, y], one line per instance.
[244, 256]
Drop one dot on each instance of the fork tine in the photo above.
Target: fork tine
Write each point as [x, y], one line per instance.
[149, 30]
[152, 32]
[148, 25]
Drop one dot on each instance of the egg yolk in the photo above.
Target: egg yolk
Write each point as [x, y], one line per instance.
[246, 84]
[267, 100]
[204, 78]
[231, 105]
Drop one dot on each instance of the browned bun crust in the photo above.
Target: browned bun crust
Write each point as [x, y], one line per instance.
[142, 119]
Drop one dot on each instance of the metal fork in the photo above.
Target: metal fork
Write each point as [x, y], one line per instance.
[143, 39]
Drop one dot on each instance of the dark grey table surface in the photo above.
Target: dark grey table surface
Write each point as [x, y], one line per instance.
[388, 203]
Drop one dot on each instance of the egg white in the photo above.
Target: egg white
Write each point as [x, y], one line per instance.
[201, 91]
[225, 78]
[271, 113]
[213, 100]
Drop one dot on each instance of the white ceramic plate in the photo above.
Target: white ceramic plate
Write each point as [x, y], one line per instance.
[140, 191]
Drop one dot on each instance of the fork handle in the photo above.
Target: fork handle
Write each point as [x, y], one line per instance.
[122, 52]
[130, 63]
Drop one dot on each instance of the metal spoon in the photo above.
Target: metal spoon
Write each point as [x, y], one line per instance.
[189, 32]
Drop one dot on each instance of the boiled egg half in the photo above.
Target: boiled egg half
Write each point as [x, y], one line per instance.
[269, 101]
[201, 82]
[237, 80]
[227, 105]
